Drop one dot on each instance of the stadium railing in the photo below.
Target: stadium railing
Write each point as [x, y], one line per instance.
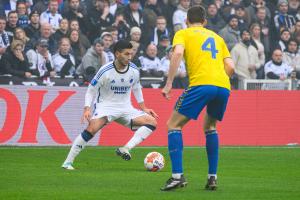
[255, 84]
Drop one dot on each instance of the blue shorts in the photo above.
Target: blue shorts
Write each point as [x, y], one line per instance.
[195, 98]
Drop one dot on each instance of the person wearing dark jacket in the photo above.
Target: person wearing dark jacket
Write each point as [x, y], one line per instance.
[100, 17]
[63, 30]
[33, 28]
[15, 61]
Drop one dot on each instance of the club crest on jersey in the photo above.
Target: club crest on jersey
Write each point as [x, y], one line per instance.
[122, 79]
[94, 82]
[113, 81]
[131, 80]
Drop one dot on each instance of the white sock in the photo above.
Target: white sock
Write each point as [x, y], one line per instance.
[78, 145]
[141, 134]
[177, 175]
[209, 175]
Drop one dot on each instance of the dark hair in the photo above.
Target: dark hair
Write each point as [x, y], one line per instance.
[121, 45]
[11, 12]
[243, 31]
[196, 14]
[3, 18]
[98, 41]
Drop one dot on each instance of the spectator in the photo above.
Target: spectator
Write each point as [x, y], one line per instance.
[133, 15]
[63, 29]
[23, 19]
[229, 8]
[4, 37]
[45, 33]
[265, 24]
[294, 8]
[285, 35]
[12, 21]
[135, 35]
[51, 15]
[114, 32]
[92, 60]
[164, 43]
[276, 68]
[291, 56]
[15, 62]
[245, 58]
[150, 12]
[64, 61]
[33, 29]
[181, 80]
[214, 20]
[40, 59]
[40, 6]
[107, 39]
[77, 48]
[253, 8]
[230, 33]
[296, 28]
[244, 19]
[159, 30]
[168, 9]
[135, 56]
[282, 19]
[122, 26]
[100, 17]
[74, 25]
[199, 3]
[255, 32]
[150, 63]
[179, 16]
[21, 35]
[115, 7]
[76, 11]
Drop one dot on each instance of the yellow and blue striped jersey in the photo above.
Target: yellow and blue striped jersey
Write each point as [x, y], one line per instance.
[204, 54]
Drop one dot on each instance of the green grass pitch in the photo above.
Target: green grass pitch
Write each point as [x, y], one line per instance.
[244, 173]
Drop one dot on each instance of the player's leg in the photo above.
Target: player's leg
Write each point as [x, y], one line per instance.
[188, 106]
[145, 124]
[82, 139]
[215, 112]
[212, 150]
[175, 146]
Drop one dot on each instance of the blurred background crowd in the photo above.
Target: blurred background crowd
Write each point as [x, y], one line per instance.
[73, 38]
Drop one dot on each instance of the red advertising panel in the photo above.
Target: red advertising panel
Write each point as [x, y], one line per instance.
[51, 116]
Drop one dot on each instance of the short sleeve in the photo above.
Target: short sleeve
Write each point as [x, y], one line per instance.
[179, 38]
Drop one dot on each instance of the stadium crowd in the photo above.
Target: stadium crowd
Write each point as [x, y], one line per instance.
[56, 38]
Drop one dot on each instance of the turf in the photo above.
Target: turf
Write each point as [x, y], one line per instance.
[244, 173]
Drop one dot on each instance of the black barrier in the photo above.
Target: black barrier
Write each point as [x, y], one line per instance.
[146, 82]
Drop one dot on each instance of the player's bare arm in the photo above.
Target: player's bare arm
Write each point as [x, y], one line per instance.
[89, 97]
[174, 65]
[148, 110]
[86, 116]
[229, 66]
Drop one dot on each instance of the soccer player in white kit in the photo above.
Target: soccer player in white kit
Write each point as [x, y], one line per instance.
[110, 92]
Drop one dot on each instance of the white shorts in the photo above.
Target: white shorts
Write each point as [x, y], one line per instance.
[120, 115]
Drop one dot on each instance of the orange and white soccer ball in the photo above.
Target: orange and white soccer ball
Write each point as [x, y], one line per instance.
[154, 161]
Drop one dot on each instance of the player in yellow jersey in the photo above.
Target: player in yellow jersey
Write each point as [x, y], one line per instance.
[209, 67]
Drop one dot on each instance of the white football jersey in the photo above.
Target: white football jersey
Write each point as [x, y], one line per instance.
[282, 70]
[114, 87]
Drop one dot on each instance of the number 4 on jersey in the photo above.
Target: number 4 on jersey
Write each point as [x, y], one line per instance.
[210, 45]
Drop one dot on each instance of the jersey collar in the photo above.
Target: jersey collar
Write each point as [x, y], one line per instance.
[121, 72]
